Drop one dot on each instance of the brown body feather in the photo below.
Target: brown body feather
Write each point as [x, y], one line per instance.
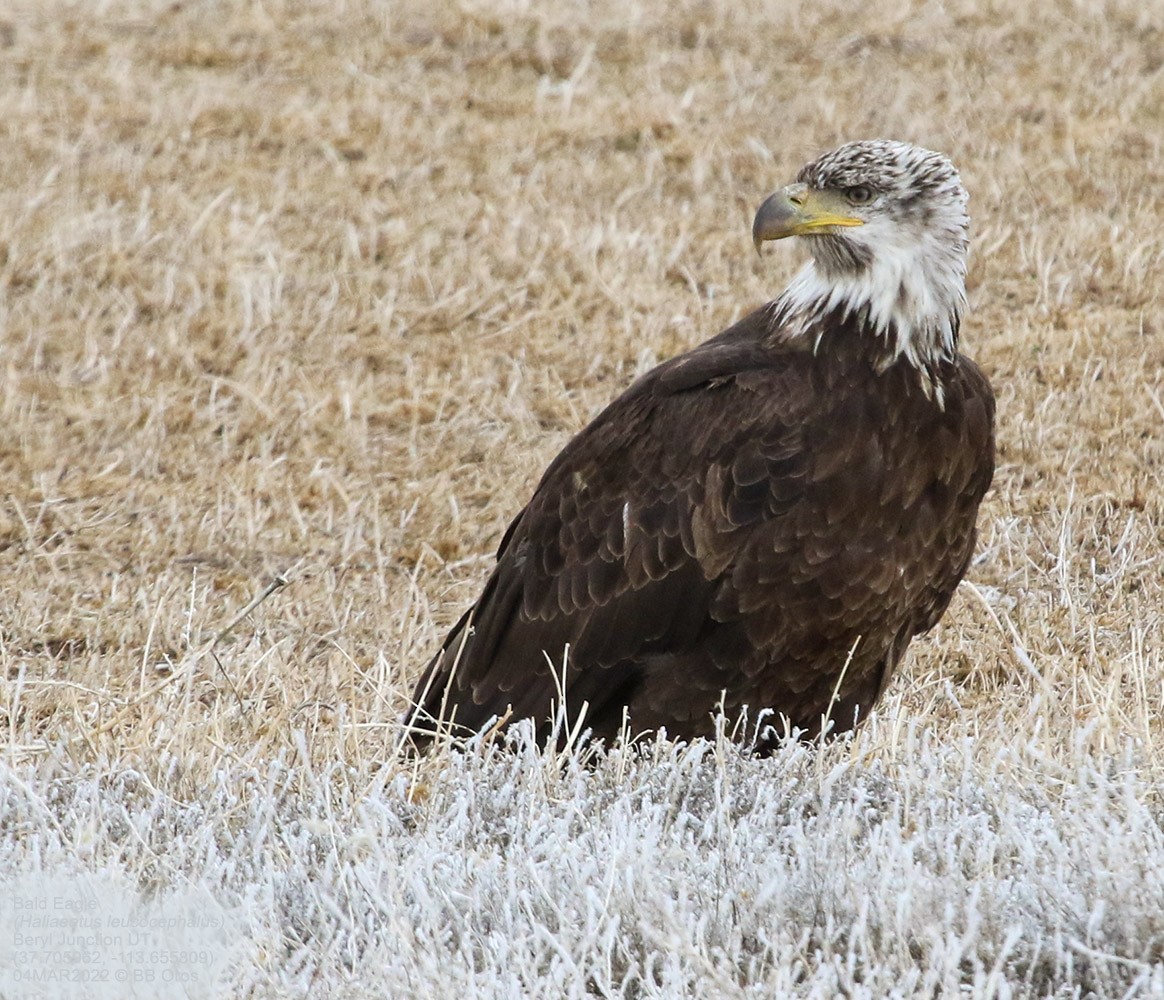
[747, 525]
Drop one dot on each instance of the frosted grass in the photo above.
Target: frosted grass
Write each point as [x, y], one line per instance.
[665, 872]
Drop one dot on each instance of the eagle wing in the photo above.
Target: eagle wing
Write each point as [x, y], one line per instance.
[622, 554]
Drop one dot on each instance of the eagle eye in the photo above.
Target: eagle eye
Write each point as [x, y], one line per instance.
[859, 194]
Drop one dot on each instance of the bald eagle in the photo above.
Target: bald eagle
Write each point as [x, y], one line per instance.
[762, 524]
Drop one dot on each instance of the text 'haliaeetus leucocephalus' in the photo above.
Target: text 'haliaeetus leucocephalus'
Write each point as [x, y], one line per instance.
[766, 521]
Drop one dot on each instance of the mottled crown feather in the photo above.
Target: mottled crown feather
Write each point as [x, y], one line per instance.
[887, 166]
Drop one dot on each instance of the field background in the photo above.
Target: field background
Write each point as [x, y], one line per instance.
[309, 294]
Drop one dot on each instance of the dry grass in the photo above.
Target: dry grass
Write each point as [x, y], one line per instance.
[311, 291]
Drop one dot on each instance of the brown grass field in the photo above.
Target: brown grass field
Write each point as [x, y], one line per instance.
[312, 292]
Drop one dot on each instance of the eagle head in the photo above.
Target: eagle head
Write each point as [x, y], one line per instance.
[888, 230]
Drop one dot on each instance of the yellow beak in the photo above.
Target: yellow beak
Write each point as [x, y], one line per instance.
[798, 210]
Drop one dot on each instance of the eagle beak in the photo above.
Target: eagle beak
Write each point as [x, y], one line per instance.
[798, 210]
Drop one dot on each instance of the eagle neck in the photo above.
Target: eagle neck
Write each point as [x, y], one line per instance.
[855, 319]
